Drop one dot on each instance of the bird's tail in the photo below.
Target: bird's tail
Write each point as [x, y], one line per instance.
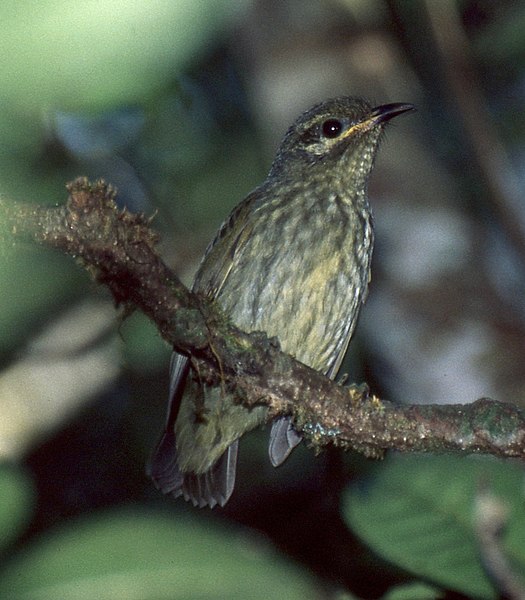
[214, 486]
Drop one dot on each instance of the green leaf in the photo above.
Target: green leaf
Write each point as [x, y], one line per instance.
[144, 349]
[413, 591]
[16, 503]
[34, 281]
[79, 55]
[417, 512]
[133, 554]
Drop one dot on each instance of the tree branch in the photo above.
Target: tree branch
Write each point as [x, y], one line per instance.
[118, 248]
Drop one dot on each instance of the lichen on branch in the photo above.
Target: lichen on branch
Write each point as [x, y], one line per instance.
[119, 249]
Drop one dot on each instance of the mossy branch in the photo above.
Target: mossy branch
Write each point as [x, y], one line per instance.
[118, 248]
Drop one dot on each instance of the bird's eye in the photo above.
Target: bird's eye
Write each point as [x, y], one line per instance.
[332, 128]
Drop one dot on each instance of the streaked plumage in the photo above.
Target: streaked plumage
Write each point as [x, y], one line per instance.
[293, 260]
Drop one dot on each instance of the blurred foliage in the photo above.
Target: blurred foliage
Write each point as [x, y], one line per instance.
[143, 349]
[77, 56]
[16, 504]
[34, 282]
[427, 524]
[413, 591]
[132, 553]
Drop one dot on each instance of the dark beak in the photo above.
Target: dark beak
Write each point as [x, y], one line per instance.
[385, 112]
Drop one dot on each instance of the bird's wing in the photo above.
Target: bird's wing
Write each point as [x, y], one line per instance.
[219, 258]
[210, 488]
[163, 467]
[216, 485]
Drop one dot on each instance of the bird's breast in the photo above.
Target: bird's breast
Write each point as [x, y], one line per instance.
[302, 276]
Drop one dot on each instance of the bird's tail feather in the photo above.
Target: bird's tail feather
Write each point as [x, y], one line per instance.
[283, 439]
[211, 488]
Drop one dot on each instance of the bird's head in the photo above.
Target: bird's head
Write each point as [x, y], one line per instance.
[341, 133]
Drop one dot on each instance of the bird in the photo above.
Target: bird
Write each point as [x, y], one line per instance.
[292, 260]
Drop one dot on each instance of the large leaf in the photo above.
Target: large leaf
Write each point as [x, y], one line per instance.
[34, 282]
[417, 512]
[16, 503]
[413, 591]
[144, 349]
[139, 555]
[77, 55]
